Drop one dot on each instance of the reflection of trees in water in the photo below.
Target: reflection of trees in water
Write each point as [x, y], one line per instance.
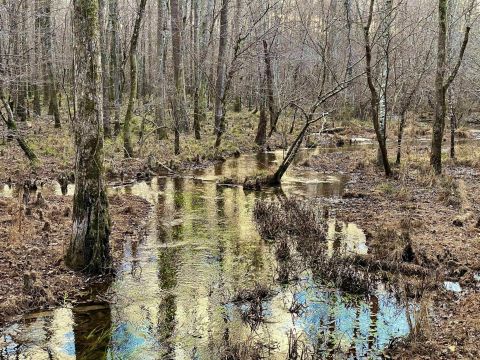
[93, 331]
[167, 269]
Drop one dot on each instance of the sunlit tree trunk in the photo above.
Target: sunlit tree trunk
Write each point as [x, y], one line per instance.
[127, 141]
[89, 248]
[385, 68]
[221, 74]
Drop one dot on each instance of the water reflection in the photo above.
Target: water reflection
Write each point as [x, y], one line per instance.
[172, 297]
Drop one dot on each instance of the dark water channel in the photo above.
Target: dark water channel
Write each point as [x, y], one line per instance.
[172, 297]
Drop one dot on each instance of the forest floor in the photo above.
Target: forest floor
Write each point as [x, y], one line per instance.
[441, 216]
[33, 242]
[55, 149]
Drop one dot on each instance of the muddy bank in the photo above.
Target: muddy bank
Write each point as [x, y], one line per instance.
[33, 240]
[440, 215]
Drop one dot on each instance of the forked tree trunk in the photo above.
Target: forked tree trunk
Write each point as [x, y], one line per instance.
[127, 140]
[89, 248]
[442, 85]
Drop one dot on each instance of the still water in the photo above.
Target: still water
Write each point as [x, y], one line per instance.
[173, 296]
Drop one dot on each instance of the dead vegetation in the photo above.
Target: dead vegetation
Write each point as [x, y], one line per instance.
[33, 237]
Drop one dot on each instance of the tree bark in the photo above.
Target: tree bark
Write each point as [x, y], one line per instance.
[50, 83]
[272, 107]
[221, 74]
[127, 141]
[161, 48]
[89, 248]
[180, 102]
[102, 11]
[442, 85]
[374, 99]
[115, 96]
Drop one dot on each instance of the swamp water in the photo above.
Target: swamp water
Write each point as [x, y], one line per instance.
[173, 294]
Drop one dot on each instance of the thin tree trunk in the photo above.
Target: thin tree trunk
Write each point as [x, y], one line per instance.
[401, 128]
[115, 96]
[442, 85]
[221, 74]
[453, 122]
[10, 123]
[89, 248]
[161, 49]
[197, 75]
[374, 99]
[37, 109]
[272, 107]
[51, 84]
[180, 103]
[127, 141]
[102, 11]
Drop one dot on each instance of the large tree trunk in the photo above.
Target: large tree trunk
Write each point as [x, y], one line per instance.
[102, 11]
[127, 141]
[161, 49]
[180, 102]
[89, 248]
[221, 74]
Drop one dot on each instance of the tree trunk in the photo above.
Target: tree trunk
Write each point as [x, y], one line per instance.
[161, 48]
[37, 109]
[374, 99]
[10, 122]
[127, 141]
[453, 123]
[115, 96]
[440, 105]
[272, 107]
[102, 11]
[89, 248]
[221, 74]
[180, 102]
[51, 86]
[197, 72]
[442, 85]
[401, 127]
